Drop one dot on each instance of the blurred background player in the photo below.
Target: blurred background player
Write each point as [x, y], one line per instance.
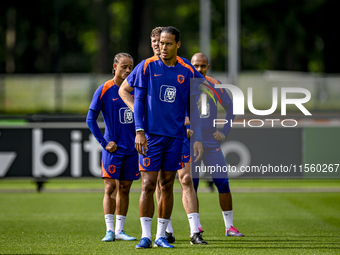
[159, 138]
[185, 179]
[126, 89]
[155, 37]
[119, 156]
[211, 139]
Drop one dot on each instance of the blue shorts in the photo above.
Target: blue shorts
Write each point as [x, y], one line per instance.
[213, 158]
[186, 151]
[162, 152]
[119, 166]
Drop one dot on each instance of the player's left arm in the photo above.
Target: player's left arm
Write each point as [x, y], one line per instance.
[189, 132]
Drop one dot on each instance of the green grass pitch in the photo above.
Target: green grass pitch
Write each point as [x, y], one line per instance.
[73, 223]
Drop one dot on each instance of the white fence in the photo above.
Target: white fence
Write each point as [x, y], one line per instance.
[72, 93]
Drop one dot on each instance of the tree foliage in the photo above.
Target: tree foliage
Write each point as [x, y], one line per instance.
[84, 35]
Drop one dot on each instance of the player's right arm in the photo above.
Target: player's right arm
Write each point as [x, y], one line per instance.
[124, 92]
[140, 140]
[111, 147]
[140, 86]
[91, 120]
[128, 85]
[92, 115]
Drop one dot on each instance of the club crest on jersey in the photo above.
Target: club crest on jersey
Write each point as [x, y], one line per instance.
[112, 169]
[167, 93]
[146, 162]
[125, 115]
[180, 78]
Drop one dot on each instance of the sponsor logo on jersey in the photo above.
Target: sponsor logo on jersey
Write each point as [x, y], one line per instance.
[125, 115]
[167, 93]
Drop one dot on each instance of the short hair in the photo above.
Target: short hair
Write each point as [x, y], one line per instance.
[199, 54]
[156, 31]
[117, 57]
[174, 31]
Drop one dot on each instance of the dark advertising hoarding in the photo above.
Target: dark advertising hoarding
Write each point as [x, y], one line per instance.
[74, 152]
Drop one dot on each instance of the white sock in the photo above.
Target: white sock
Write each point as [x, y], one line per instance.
[161, 227]
[120, 221]
[198, 221]
[146, 226]
[192, 217]
[169, 228]
[109, 220]
[228, 218]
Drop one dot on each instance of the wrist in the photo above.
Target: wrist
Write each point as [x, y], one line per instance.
[140, 131]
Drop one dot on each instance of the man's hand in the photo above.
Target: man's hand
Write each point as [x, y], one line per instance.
[189, 133]
[186, 121]
[141, 143]
[111, 147]
[198, 150]
[218, 136]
